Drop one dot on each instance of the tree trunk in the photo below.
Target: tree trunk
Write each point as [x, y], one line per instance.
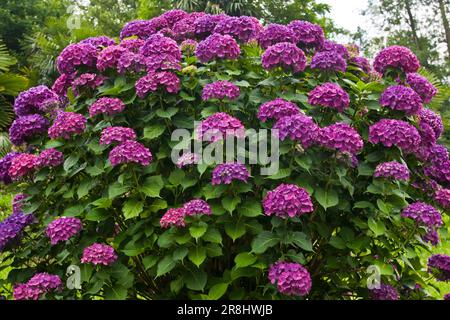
[446, 25]
[413, 26]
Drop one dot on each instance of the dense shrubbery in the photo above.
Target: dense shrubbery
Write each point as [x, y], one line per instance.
[360, 182]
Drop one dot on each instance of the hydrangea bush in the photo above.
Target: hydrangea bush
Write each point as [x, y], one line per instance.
[362, 179]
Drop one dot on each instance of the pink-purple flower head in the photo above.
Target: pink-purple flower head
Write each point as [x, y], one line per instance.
[284, 55]
[38, 285]
[173, 217]
[11, 228]
[87, 81]
[173, 16]
[162, 53]
[18, 201]
[362, 63]
[108, 106]
[63, 83]
[424, 88]
[188, 46]
[226, 173]
[341, 137]
[430, 119]
[133, 45]
[66, 125]
[307, 35]
[76, 56]
[401, 98]
[442, 197]
[220, 90]
[217, 46]
[130, 152]
[328, 61]
[392, 170]
[119, 135]
[384, 292]
[154, 80]
[99, 42]
[187, 159]
[396, 57]
[298, 127]
[431, 237]
[275, 33]
[439, 265]
[277, 109]
[26, 128]
[131, 62]
[340, 49]
[292, 279]
[5, 164]
[242, 28]
[99, 254]
[424, 214]
[204, 26]
[390, 132]
[143, 28]
[38, 99]
[62, 229]
[220, 126]
[197, 207]
[287, 201]
[329, 95]
[23, 165]
[50, 158]
[109, 57]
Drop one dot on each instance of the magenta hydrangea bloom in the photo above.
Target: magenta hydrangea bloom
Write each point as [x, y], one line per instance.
[277, 109]
[423, 214]
[119, 135]
[390, 132]
[38, 285]
[153, 80]
[430, 119]
[173, 217]
[87, 81]
[401, 98]
[220, 90]
[362, 63]
[75, 56]
[332, 46]
[219, 126]
[422, 86]
[204, 26]
[109, 57]
[26, 128]
[328, 61]
[439, 265]
[66, 125]
[133, 45]
[188, 46]
[18, 201]
[447, 296]
[284, 55]
[143, 28]
[99, 42]
[187, 159]
[217, 46]
[108, 106]
[298, 127]
[196, 207]
[329, 95]
[292, 279]
[432, 237]
[38, 99]
[225, 173]
[173, 16]
[385, 292]
[442, 197]
[50, 158]
[99, 254]
[275, 33]
[5, 164]
[131, 62]
[184, 29]
[396, 57]
[287, 200]
[11, 228]
[22, 165]
[161, 53]
[307, 34]
[130, 152]
[242, 28]
[392, 170]
[63, 83]
[62, 229]
[342, 137]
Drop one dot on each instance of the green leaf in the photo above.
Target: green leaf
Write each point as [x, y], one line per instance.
[154, 131]
[157, 205]
[251, 208]
[213, 235]
[152, 186]
[326, 199]
[337, 242]
[235, 230]
[84, 187]
[102, 203]
[217, 291]
[149, 261]
[244, 259]
[281, 174]
[195, 279]
[165, 265]
[168, 113]
[177, 177]
[377, 227]
[116, 189]
[180, 253]
[132, 208]
[264, 241]
[197, 255]
[301, 240]
[116, 293]
[364, 205]
[70, 162]
[198, 231]
[230, 203]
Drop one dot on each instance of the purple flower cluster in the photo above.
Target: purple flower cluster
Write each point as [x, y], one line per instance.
[129, 152]
[447, 296]
[50, 158]
[284, 55]
[432, 237]
[109, 57]
[119, 135]
[75, 56]
[328, 61]
[275, 33]
[173, 16]
[217, 46]
[108, 106]
[423, 214]
[277, 109]
[396, 57]
[18, 201]
[287, 200]
[439, 265]
[307, 34]
[187, 159]
[329, 95]
[99, 254]
[38, 99]
[442, 197]
[38, 285]
[242, 28]
[390, 132]
[133, 45]
[332, 46]
[27, 127]
[219, 126]
[225, 173]
[12, 227]
[62, 229]
[392, 170]
[385, 292]
[99, 42]
[132, 62]
[22, 165]
[197, 207]
[401, 98]
[188, 46]
[298, 127]
[362, 63]
[153, 80]
[342, 137]
[162, 53]
[66, 125]
[5, 165]
[422, 86]
[205, 25]
[86, 81]
[292, 279]
[143, 28]
[173, 217]
[220, 90]
[430, 119]
[63, 83]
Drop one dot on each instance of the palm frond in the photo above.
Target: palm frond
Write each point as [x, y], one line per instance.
[11, 84]
[6, 60]
[5, 144]
[443, 95]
